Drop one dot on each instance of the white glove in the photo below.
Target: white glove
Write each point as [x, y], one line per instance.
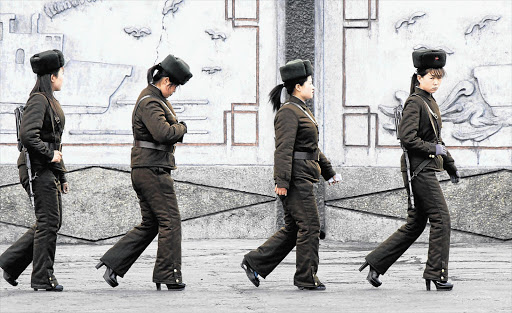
[335, 179]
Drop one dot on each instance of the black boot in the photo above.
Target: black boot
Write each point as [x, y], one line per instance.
[373, 275]
[57, 288]
[250, 272]
[11, 280]
[440, 286]
[110, 276]
[172, 287]
[319, 287]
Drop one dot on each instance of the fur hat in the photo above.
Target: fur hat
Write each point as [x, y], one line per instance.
[427, 58]
[296, 69]
[178, 70]
[47, 61]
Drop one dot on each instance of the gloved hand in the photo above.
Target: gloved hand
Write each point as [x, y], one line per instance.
[440, 149]
[455, 178]
[184, 124]
[335, 179]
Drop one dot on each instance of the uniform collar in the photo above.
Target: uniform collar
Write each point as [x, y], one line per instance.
[298, 101]
[157, 92]
[423, 93]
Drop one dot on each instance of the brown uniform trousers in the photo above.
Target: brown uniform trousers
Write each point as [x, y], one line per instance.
[153, 120]
[160, 216]
[429, 205]
[419, 138]
[38, 244]
[295, 131]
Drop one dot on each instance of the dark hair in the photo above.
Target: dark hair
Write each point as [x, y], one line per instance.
[161, 73]
[436, 72]
[275, 94]
[44, 84]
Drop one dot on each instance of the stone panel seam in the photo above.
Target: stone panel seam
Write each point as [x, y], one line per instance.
[64, 235]
[327, 202]
[176, 180]
[183, 220]
[227, 210]
[339, 208]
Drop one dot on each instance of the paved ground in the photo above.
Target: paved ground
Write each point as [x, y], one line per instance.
[482, 275]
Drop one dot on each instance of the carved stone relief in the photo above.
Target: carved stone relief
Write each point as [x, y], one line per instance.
[445, 49]
[56, 7]
[172, 6]
[137, 32]
[481, 107]
[211, 69]
[216, 35]
[408, 20]
[483, 22]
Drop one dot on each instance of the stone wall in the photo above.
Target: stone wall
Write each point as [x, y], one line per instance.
[361, 52]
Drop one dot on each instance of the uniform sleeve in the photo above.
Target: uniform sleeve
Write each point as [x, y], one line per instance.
[408, 130]
[326, 167]
[31, 125]
[153, 117]
[62, 173]
[286, 124]
[449, 163]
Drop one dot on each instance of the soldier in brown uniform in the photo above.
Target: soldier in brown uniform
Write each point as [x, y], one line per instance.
[298, 164]
[420, 134]
[155, 130]
[40, 133]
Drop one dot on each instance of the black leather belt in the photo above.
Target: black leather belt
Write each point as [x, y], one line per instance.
[152, 145]
[53, 146]
[298, 155]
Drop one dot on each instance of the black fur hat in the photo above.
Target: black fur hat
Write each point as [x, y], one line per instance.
[427, 58]
[296, 69]
[177, 68]
[47, 61]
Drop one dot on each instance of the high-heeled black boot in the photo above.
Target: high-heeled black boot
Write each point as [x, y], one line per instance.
[320, 287]
[110, 276]
[373, 275]
[250, 272]
[8, 278]
[57, 288]
[440, 286]
[172, 287]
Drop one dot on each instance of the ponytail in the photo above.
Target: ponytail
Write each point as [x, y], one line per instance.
[275, 97]
[151, 71]
[275, 94]
[414, 83]
[161, 73]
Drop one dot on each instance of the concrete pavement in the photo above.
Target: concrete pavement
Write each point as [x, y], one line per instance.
[482, 274]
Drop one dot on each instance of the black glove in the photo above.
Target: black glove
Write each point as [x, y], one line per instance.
[440, 149]
[455, 178]
[184, 124]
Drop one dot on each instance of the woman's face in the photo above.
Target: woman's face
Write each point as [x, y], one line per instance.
[167, 88]
[56, 81]
[305, 91]
[429, 83]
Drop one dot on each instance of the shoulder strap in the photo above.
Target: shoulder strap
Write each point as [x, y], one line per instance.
[53, 115]
[430, 114]
[305, 112]
[163, 104]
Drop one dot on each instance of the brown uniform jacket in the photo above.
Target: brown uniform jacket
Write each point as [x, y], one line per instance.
[417, 134]
[154, 122]
[294, 131]
[36, 128]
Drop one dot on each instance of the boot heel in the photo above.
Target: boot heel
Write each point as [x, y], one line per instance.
[427, 282]
[99, 265]
[158, 286]
[363, 266]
